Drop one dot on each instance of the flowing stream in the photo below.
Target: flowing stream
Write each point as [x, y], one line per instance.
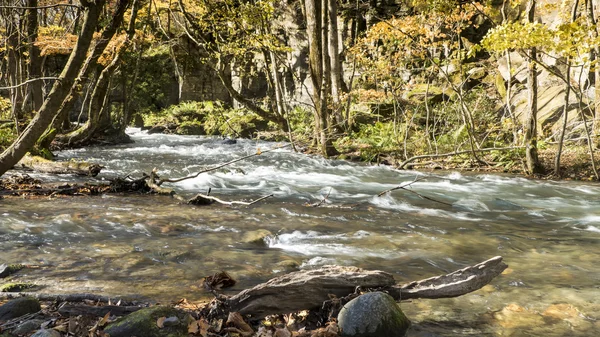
[151, 246]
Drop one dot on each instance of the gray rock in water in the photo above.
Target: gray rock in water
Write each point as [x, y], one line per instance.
[19, 307]
[229, 141]
[28, 326]
[46, 333]
[143, 323]
[373, 315]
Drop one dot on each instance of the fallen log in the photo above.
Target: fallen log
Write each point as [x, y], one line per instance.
[308, 289]
[40, 164]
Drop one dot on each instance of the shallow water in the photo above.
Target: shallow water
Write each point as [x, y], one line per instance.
[548, 233]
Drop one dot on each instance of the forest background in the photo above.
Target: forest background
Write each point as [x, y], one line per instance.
[506, 86]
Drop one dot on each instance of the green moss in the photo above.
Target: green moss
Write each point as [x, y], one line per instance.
[143, 323]
[15, 287]
[10, 269]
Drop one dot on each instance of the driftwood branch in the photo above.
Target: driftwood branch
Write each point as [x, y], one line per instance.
[455, 153]
[308, 289]
[404, 187]
[455, 284]
[202, 199]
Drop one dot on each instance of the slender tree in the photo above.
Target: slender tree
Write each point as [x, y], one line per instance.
[59, 91]
[531, 150]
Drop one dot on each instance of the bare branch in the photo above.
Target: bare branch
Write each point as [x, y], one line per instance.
[201, 199]
[161, 181]
[31, 80]
[455, 153]
[401, 186]
[42, 7]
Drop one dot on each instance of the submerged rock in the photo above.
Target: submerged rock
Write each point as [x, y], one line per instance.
[373, 314]
[19, 307]
[143, 323]
[256, 237]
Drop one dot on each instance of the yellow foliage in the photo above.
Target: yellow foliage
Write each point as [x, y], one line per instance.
[54, 40]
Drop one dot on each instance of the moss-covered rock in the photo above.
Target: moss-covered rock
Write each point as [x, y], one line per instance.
[19, 307]
[190, 128]
[373, 314]
[15, 287]
[9, 269]
[143, 323]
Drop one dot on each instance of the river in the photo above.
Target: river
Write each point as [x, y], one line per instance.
[547, 232]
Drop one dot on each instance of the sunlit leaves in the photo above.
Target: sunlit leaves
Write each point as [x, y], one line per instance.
[234, 28]
[569, 39]
[414, 41]
[53, 40]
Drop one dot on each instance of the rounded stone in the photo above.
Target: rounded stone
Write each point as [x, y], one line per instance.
[143, 323]
[373, 314]
[19, 307]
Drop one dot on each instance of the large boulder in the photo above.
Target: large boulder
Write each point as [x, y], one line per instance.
[19, 307]
[144, 323]
[373, 314]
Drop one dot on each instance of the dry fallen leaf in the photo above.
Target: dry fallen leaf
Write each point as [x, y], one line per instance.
[204, 325]
[283, 333]
[160, 322]
[104, 319]
[193, 327]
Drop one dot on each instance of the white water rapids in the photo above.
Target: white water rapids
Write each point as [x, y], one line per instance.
[547, 232]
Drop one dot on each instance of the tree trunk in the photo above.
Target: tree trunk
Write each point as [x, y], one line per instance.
[595, 56]
[533, 162]
[89, 66]
[100, 101]
[35, 64]
[566, 106]
[312, 12]
[565, 120]
[13, 65]
[60, 90]
[336, 65]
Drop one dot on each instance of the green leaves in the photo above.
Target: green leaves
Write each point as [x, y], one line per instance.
[567, 40]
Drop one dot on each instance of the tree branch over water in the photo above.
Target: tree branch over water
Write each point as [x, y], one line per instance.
[258, 153]
[403, 187]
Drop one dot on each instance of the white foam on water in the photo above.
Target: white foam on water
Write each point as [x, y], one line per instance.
[592, 229]
[315, 243]
[318, 261]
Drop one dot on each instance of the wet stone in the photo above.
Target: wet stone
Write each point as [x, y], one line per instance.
[256, 237]
[143, 323]
[373, 314]
[19, 307]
